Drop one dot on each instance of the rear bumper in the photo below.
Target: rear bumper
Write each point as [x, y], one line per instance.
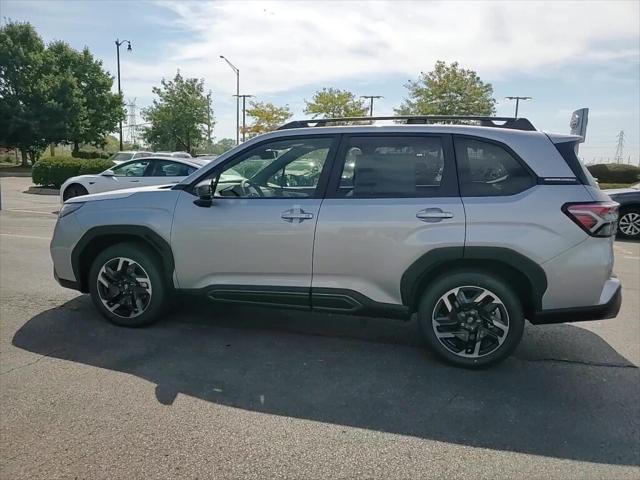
[609, 309]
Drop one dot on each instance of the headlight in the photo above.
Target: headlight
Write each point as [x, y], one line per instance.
[68, 208]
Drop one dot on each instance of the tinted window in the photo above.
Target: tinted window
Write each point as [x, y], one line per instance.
[131, 169]
[395, 166]
[568, 152]
[487, 169]
[283, 168]
[167, 168]
[121, 157]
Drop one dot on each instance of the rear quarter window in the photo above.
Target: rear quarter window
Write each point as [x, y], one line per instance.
[487, 169]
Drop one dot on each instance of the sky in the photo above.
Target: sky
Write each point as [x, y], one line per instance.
[564, 54]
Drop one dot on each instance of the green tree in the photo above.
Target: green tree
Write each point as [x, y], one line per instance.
[222, 145]
[51, 95]
[24, 115]
[85, 89]
[179, 116]
[335, 103]
[448, 90]
[266, 117]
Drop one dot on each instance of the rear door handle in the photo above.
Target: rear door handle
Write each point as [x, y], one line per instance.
[134, 181]
[433, 215]
[294, 214]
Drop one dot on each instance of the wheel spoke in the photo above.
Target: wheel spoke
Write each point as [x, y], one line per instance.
[124, 287]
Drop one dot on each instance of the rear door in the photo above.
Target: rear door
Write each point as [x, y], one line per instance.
[391, 199]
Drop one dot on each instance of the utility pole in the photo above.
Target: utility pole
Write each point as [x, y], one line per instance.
[244, 112]
[237, 95]
[517, 99]
[371, 98]
[118, 43]
[620, 148]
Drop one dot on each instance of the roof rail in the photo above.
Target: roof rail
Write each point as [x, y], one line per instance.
[504, 122]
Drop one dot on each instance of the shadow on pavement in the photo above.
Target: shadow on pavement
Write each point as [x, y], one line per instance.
[565, 393]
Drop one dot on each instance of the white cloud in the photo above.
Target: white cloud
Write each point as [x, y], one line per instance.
[279, 46]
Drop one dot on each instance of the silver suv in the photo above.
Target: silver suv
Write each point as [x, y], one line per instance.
[471, 228]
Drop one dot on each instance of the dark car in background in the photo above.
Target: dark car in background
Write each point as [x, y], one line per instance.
[629, 216]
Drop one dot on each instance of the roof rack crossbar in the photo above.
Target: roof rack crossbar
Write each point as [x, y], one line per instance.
[503, 122]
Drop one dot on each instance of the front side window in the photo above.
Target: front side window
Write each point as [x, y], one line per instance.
[283, 168]
[131, 169]
[487, 169]
[394, 166]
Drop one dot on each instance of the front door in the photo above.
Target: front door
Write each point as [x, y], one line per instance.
[391, 200]
[255, 241]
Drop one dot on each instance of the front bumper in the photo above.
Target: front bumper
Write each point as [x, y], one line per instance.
[73, 285]
[609, 309]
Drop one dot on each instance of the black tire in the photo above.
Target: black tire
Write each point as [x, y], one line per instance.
[153, 302]
[632, 217]
[74, 190]
[510, 307]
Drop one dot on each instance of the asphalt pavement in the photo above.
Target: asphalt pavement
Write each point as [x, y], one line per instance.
[240, 392]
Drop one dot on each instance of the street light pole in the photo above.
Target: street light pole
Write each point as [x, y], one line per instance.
[244, 111]
[237, 95]
[118, 43]
[517, 99]
[371, 97]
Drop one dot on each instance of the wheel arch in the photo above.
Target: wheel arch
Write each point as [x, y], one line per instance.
[523, 274]
[97, 239]
[73, 184]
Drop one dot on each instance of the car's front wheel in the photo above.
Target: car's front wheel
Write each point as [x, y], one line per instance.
[471, 319]
[127, 286]
[629, 223]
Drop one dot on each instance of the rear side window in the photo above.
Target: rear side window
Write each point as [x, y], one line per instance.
[487, 169]
[395, 166]
[568, 152]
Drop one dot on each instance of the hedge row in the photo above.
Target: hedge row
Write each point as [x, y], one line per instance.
[54, 171]
[615, 173]
[87, 155]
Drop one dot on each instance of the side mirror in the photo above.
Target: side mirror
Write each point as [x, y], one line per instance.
[206, 191]
[108, 173]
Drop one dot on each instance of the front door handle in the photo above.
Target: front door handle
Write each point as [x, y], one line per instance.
[294, 214]
[433, 215]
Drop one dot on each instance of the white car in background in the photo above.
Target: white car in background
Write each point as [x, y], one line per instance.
[134, 173]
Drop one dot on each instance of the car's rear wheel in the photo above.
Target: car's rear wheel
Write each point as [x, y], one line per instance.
[471, 319]
[629, 223]
[74, 190]
[127, 286]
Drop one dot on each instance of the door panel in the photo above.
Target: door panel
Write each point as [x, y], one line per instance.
[367, 244]
[242, 242]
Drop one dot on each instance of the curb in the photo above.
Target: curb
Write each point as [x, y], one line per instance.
[14, 174]
[42, 191]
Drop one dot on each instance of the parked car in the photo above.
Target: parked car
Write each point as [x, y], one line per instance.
[629, 217]
[472, 229]
[125, 156]
[173, 154]
[133, 173]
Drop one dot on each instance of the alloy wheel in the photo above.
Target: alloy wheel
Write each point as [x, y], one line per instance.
[629, 224]
[470, 321]
[124, 287]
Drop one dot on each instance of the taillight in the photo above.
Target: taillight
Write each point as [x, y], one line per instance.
[598, 219]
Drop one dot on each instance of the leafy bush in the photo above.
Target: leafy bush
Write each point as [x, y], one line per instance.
[615, 173]
[54, 171]
[89, 155]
